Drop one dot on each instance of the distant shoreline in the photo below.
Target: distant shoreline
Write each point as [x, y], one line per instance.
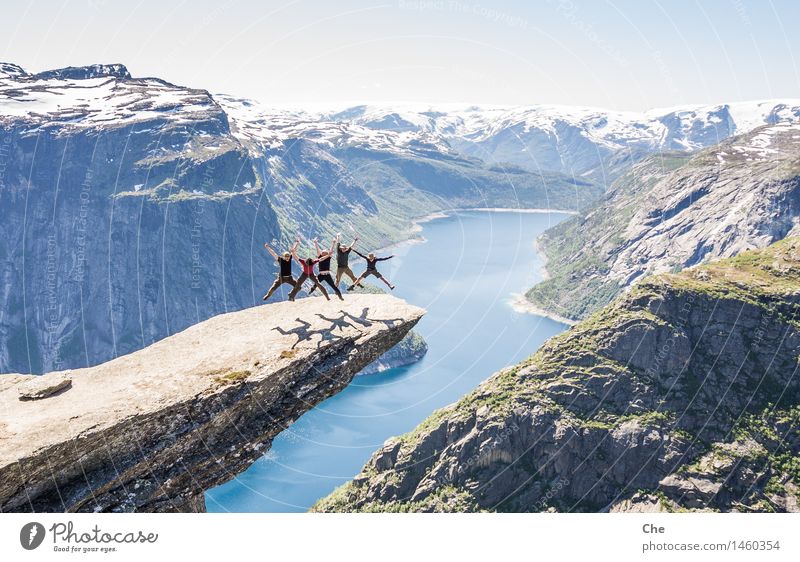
[416, 238]
[444, 212]
[518, 302]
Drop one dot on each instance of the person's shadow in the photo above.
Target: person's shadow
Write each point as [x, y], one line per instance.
[342, 322]
[302, 331]
[339, 322]
[326, 333]
[364, 320]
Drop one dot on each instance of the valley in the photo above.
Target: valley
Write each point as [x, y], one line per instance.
[134, 209]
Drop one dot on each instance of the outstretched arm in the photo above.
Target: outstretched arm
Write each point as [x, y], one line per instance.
[359, 253]
[296, 244]
[355, 241]
[271, 251]
[316, 245]
[334, 242]
[294, 254]
[384, 259]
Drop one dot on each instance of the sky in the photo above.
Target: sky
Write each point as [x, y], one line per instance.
[616, 54]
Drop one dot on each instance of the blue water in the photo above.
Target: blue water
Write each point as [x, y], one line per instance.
[464, 275]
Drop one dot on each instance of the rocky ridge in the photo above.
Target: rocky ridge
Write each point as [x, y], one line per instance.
[680, 395]
[674, 211]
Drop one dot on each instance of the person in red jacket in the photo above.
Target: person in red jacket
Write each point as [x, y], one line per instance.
[372, 269]
[308, 273]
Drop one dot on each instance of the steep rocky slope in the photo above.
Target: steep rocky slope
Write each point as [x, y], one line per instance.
[681, 395]
[129, 213]
[151, 431]
[674, 211]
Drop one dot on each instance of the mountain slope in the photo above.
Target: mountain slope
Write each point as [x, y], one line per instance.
[406, 174]
[124, 204]
[681, 395]
[674, 211]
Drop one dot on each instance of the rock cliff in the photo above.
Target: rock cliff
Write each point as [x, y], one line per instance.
[674, 211]
[681, 395]
[152, 430]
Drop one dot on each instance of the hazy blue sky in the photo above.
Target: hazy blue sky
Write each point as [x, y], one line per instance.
[617, 53]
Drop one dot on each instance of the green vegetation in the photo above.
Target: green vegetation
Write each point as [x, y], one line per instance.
[585, 382]
[580, 251]
[228, 376]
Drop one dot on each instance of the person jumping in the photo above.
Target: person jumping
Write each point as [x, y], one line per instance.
[284, 269]
[342, 258]
[325, 267]
[372, 269]
[308, 273]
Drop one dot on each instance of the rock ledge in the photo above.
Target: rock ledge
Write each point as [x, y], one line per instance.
[151, 431]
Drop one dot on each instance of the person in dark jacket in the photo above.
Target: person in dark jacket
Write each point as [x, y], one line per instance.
[343, 258]
[284, 269]
[372, 269]
[324, 274]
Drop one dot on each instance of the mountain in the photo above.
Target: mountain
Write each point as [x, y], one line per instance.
[590, 143]
[315, 164]
[134, 207]
[680, 395]
[674, 211]
[130, 212]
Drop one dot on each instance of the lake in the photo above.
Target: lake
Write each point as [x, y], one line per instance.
[465, 275]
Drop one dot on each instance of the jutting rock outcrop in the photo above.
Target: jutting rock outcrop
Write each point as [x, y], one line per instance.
[681, 395]
[152, 430]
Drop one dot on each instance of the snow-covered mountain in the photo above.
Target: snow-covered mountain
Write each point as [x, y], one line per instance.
[578, 141]
[98, 95]
[269, 127]
[593, 143]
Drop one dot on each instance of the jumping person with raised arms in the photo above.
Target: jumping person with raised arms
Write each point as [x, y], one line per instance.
[284, 269]
[308, 273]
[342, 259]
[372, 269]
[325, 267]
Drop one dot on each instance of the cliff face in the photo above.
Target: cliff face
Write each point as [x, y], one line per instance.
[408, 351]
[681, 395]
[674, 211]
[151, 431]
[129, 213]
